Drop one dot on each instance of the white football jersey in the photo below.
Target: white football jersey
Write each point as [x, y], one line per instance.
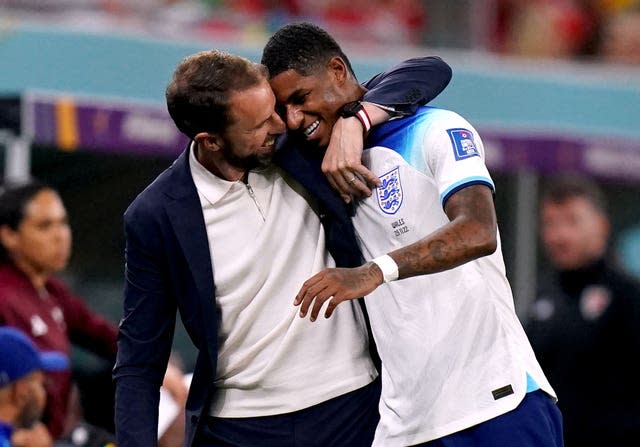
[453, 351]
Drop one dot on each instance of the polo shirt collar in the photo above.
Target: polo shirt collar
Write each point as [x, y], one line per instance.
[212, 187]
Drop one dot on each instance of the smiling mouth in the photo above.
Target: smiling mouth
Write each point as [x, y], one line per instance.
[311, 129]
[269, 142]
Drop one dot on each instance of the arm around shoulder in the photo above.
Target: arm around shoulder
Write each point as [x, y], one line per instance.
[409, 84]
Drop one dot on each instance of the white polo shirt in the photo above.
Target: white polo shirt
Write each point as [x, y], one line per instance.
[453, 351]
[265, 241]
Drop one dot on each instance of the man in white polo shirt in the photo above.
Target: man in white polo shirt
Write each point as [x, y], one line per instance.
[457, 368]
[227, 238]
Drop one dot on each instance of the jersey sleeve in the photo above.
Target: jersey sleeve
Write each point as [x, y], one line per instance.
[454, 153]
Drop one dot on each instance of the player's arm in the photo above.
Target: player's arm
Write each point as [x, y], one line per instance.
[395, 92]
[470, 234]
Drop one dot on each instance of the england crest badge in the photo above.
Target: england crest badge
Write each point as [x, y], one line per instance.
[389, 192]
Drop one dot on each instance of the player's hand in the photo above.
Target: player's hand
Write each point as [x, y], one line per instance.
[336, 285]
[342, 163]
[174, 383]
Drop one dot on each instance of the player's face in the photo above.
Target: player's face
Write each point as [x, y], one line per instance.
[31, 399]
[309, 104]
[42, 241]
[250, 139]
[574, 232]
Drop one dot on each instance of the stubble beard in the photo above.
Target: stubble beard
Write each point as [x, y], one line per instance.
[247, 163]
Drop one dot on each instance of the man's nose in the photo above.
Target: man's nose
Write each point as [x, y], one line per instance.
[294, 118]
[278, 124]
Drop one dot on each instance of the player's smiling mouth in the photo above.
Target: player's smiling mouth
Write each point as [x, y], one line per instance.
[312, 128]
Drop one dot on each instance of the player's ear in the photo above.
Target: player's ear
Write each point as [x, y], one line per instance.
[209, 141]
[338, 69]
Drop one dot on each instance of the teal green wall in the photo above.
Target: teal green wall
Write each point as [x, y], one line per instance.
[567, 98]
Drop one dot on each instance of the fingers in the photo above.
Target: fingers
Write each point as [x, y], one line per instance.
[316, 299]
[351, 179]
[314, 292]
[348, 183]
[307, 286]
[369, 177]
[342, 161]
[309, 293]
[317, 304]
[358, 188]
[331, 307]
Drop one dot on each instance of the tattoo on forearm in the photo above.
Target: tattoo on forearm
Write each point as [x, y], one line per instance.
[453, 245]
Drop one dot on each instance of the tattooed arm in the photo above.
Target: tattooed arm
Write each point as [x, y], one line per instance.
[470, 234]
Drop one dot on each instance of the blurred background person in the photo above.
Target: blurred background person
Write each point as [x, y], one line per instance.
[585, 323]
[22, 393]
[621, 38]
[35, 243]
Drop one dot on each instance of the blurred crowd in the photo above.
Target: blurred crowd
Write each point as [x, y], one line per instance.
[607, 30]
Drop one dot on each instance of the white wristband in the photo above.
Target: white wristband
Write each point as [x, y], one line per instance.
[388, 266]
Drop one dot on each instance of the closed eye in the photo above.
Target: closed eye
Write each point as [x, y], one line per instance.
[298, 98]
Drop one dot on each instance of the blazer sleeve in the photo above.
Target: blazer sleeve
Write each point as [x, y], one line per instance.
[409, 84]
[146, 329]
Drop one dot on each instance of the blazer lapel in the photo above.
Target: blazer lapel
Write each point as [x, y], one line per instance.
[185, 214]
[305, 168]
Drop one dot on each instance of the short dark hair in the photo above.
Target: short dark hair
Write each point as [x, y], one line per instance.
[14, 198]
[560, 188]
[303, 47]
[198, 94]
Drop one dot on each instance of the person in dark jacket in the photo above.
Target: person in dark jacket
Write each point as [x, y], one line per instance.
[585, 323]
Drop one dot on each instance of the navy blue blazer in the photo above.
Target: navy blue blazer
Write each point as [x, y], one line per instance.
[168, 265]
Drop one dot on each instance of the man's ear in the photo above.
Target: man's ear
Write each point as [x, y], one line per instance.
[208, 141]
[338, 69]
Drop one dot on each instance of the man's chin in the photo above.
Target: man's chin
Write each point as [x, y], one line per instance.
[264, 160]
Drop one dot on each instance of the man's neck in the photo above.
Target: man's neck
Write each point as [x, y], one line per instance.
[217, 165]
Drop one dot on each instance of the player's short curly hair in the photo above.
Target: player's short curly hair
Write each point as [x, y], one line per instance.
[199, 93]
[303, 47]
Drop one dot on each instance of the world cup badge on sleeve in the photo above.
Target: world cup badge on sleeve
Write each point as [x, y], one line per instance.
[464, 145]
[389, 192]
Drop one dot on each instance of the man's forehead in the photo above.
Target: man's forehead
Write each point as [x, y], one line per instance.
[288, 83]
[251, 106]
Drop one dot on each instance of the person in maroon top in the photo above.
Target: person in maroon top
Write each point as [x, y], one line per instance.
[35, 243]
